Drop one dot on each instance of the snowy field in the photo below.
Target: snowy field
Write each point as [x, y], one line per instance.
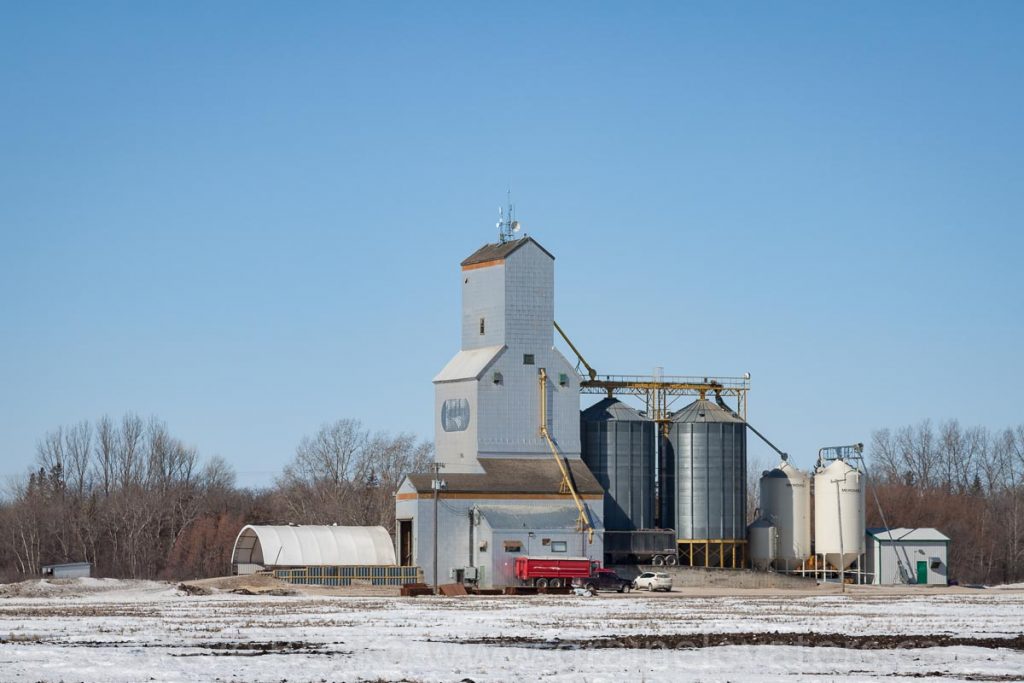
[105, 630]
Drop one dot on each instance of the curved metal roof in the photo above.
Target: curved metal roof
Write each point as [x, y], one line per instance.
[784, 470]
[296, 546]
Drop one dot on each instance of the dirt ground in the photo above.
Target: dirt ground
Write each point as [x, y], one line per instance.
[701, 640]
[261, 585]
[266, 585]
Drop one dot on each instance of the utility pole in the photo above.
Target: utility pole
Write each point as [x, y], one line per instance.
[842, 551]
[436, 485]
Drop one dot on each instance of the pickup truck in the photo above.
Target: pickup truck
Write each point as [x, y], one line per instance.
[604, 580]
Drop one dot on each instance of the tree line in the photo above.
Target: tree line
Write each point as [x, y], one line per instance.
[966, 482]
[138, 502]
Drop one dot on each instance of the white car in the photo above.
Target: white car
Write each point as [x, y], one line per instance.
[653, 581]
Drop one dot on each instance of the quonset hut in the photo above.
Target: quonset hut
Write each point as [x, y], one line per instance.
[320, 555]
[500, 490]
[259, 548]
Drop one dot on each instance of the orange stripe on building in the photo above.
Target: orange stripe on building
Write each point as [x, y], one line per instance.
[483, 264]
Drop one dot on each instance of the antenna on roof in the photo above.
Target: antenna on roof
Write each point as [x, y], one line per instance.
[507, 224]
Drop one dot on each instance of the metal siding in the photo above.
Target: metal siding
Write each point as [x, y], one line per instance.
[483, 296]
[453, 536]
[786, 499]
[716, 482]
[509, 413]
[529, 298]
[641, 473]
[314, 545]
[911, 553]
[705, 477]
[469, 364]
[729, 466]
[75, 571]
[457, 450]
[516, 298]
[502, 566]
[500, 570]
[667, 483]
[839, 513]
[620, 452]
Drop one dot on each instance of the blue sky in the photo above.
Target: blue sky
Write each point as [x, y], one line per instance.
[247, 218]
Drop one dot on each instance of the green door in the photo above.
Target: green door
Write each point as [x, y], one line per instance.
[922, 572]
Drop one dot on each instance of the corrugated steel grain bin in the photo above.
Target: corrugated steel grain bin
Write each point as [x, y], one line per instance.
[618, 446]
[703, 482]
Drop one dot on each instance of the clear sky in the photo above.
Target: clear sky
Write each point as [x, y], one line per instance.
[247, 218]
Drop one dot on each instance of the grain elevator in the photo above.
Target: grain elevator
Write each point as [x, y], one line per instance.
[508, 480]
[521, 472]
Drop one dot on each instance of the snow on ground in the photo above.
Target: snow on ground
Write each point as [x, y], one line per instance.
[136, 631]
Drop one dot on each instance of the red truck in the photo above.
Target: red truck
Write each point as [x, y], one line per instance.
[554, 571]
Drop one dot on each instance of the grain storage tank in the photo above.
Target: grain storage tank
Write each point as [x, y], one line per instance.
[704, 468]
[786, 501]
[838, 513]
[762, 538]
[618, 446]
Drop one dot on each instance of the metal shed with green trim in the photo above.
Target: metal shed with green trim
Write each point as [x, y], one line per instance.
[907, 556]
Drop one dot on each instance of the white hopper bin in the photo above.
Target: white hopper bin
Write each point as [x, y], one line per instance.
[786, 501]
[839, 514]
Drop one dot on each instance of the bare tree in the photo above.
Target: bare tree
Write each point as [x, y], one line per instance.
[318, 485]
[136, 500]
[967, 482]
[756, 466]
[128, 463]
[106, 448]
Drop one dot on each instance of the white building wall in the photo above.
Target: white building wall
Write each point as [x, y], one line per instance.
[501, 563]
[453, 539]
[458, 450]
[884, 561]
[406, 508]
[516, 300]
[510, 412]
[483, 296]
[529, 299]
[70, 571]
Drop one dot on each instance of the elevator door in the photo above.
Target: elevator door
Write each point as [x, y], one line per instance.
[405, 542]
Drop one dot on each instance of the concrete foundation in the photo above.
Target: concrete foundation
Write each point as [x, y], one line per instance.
[699, 577]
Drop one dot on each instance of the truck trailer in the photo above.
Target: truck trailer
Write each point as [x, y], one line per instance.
[554, 572]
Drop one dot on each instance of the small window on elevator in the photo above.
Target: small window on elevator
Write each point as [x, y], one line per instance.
[527, 359]
[481, 325]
